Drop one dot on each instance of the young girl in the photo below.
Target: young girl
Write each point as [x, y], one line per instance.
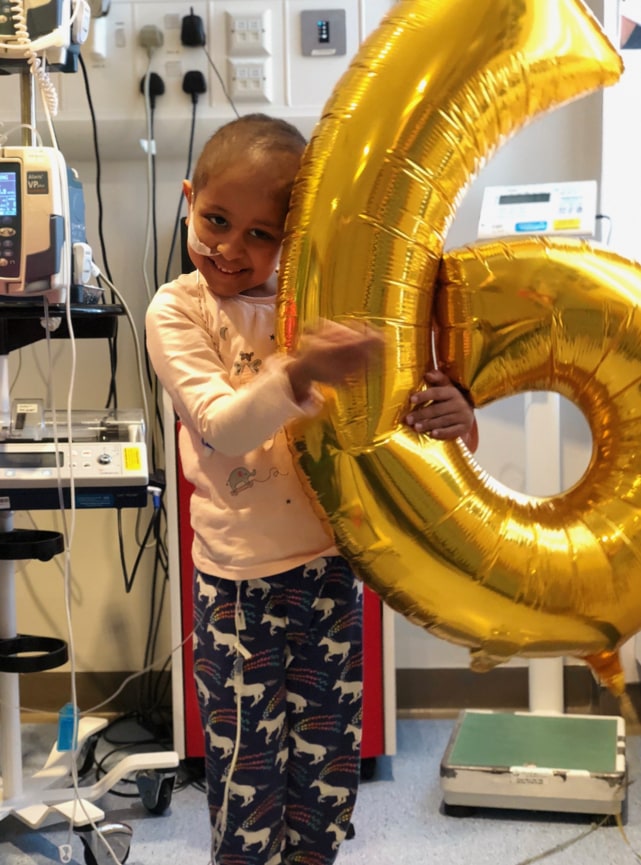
[277, 631]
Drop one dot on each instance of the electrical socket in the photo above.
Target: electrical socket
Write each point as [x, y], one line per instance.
[115, 72]
[173, 59]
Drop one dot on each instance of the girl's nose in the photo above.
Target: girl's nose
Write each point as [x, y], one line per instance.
[231, 247]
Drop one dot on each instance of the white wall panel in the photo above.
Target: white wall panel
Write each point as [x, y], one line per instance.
[297, 86]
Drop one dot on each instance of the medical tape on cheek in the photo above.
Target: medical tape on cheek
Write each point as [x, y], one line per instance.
[195, 242]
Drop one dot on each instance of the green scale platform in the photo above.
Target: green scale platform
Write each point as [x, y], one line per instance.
[570, 763]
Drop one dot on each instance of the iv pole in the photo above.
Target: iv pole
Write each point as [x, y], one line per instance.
[11, 740]
[48, 790]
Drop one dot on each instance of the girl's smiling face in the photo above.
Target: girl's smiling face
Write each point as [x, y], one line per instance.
[239, 214]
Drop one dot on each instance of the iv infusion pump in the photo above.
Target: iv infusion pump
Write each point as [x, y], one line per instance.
[35, 231]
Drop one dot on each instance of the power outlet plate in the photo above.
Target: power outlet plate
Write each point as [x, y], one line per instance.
[118, 65]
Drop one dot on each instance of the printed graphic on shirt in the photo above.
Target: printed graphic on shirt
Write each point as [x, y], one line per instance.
[241, 478]
[247, 362]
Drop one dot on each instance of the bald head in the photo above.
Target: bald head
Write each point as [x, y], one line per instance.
[250, 138]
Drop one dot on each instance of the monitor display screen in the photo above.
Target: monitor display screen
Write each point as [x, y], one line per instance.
[8, 193]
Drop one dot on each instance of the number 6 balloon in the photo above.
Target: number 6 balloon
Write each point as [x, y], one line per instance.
[427, 100]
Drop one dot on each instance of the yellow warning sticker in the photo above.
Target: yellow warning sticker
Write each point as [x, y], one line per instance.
[566, 224]
[131, 459]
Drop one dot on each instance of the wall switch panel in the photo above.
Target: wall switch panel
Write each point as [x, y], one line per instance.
[323, 32]
[313, 64]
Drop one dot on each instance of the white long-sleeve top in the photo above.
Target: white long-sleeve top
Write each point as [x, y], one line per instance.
[250, 512]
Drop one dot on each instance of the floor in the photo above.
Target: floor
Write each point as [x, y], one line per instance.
[399, 818]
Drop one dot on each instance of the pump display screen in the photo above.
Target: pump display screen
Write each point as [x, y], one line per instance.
[525, 198]
[30, 459]
[8, 193]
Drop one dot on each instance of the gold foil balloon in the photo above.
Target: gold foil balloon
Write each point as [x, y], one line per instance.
[428, 99]
[558, 315]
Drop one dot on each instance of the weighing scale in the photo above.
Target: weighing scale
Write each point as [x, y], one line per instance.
[521, 760]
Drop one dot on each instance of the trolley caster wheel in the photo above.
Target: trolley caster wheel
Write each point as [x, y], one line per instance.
[155, 790]
[116, 835]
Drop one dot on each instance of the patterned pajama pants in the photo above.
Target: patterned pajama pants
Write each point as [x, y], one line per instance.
[278, 666]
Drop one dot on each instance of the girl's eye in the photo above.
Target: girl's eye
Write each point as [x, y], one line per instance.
[217, 220]
[261, 235]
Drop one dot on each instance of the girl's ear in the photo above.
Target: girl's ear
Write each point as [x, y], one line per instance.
[187, 192]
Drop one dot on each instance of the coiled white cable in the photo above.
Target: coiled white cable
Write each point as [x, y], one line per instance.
[36, 64]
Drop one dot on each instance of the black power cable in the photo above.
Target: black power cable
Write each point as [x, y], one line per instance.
[112, 396]
[195, 85]
[152, 86]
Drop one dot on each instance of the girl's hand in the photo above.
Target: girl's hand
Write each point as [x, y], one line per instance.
[442, 411]
[330, 354]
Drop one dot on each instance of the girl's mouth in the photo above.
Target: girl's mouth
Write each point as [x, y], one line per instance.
[226, 270]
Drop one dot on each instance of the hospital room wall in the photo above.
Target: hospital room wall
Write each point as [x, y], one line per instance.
[565, 145]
